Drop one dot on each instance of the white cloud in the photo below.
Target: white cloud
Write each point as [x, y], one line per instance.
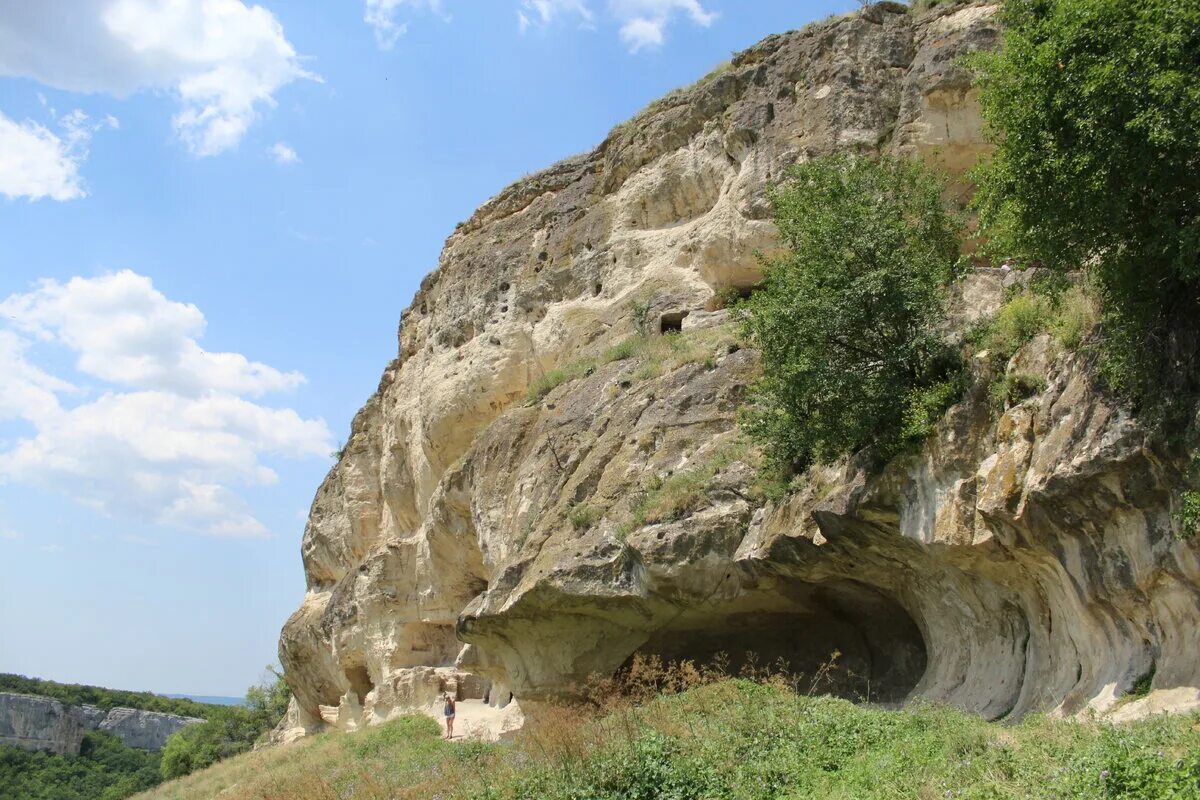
[171, 429]
[543, 12]
[52, 548]
[283, 153]
[222, 59]
[642, 22]
[35, 163]
[26, 391]
[381, 15]
[9, 535]
[126, 332]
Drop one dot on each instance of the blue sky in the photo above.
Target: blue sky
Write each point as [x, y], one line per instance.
[211, 217]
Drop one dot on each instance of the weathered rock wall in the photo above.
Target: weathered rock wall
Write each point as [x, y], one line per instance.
[43, 723]
[1022, 562]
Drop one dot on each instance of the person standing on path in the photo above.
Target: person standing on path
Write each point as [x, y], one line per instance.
[449, 711]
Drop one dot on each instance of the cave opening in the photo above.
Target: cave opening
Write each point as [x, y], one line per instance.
[845, 639]
[360, 682]
[672, 322]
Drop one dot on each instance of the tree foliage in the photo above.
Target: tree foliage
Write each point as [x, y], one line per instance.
[1094, 107]
[105, 769]
[846, 320]
[229, 730]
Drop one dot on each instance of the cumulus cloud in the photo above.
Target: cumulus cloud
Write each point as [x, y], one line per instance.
[156, 428]
[642, 22]
[127, 332]
[382, 15]
[283, 154]
[223, 60]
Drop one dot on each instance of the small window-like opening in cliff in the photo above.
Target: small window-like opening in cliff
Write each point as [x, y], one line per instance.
[672, 322]
[597, 289]
[360, 682]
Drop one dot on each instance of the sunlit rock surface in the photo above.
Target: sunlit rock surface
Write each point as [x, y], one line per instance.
[42, 723]
[1023, 561]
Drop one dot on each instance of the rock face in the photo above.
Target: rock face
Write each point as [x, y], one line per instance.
[471, 542]
[42, 723]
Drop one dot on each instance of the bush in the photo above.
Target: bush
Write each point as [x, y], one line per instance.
[1068, 312]
[1017, 322]
[847, 319]
[1188, 517]
[926, 405]
[1094, 108]
[583, 516]
[1076, 316]
[1012, 388]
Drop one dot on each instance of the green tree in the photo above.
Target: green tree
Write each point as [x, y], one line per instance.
[229, 730]
[105, 769]
[1094, 107]
[846, 320]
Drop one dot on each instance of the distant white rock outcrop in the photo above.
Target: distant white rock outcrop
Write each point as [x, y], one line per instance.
[43, 723]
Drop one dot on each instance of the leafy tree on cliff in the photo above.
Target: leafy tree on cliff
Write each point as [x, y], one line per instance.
[847, 318]
[1094, 107]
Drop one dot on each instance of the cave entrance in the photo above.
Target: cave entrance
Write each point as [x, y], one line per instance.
[360, 682]
[672, 322]
[797, 630]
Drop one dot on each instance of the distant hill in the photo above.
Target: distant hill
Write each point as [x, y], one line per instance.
[213, 699]
[79, 694]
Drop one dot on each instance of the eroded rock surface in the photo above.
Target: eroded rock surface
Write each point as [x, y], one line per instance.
[467, 541]
[43, 723]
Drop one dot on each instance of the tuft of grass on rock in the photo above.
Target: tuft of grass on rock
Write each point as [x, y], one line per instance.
[652, 356]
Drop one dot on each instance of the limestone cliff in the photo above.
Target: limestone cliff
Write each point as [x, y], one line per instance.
[43, 723]
[470, 541]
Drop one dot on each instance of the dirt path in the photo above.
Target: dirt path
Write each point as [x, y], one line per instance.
[477, 721]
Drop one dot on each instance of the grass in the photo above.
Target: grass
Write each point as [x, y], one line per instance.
[583, 516]
[669, 98]
[1011, 388]
[651, 355]
[733, 739]
[676, 496]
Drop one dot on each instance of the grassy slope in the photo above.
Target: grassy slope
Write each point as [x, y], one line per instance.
[736, 740]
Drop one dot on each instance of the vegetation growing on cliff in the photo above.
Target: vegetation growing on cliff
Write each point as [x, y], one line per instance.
[1094, 108]
[79, 695]
[847, 319]
[652, 354]
[729, 740]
